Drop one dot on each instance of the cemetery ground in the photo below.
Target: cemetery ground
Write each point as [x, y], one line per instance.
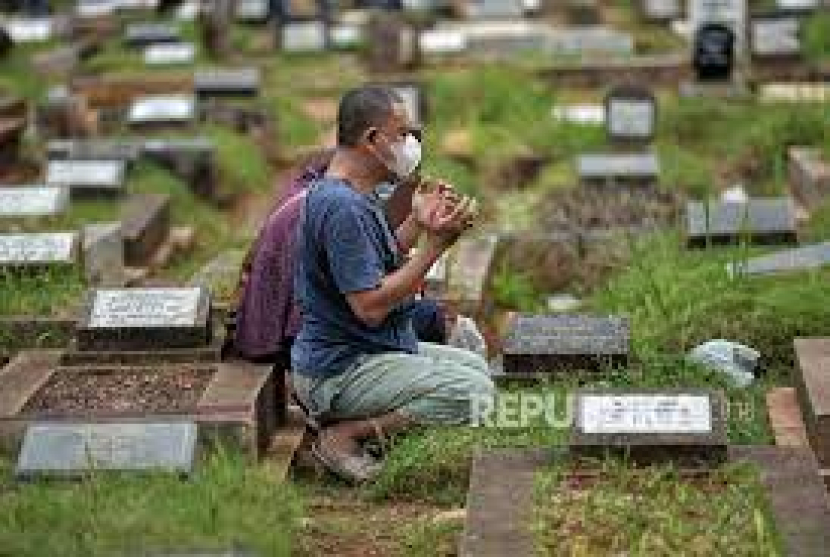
[485, 123]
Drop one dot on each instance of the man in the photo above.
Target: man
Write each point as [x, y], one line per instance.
[356, 361]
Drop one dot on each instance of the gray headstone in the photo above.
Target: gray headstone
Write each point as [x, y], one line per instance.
[776, 36]
[652, 426]
[547, 344]
[769, 220]
[145, 319]
[32, 201]
[227, 82]
[305, 36]
[93, 149]
[143, 34]
[631, 114]
[495, 9]
[590, 40]
[95, 8]
[163, 109]
[165, 54]
[87, 175]
[797, 259]
[67, 450]
[38, 249]
[611, 166]
[104, 254]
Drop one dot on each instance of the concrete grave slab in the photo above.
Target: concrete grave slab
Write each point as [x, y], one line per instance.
[168, 54]
[145, 225]
[163, 109]
[143, 34]
[603, 168]
[87, 177]
[804, 258]
[304, 36]
[241, 82]
[39, 250]
[103, 246]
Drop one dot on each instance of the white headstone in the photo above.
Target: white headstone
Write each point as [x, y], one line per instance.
[29, 30]
[631, 118]
[345, 35]
[442, 41]
[39, 247]
[252, 10]
[776, 36]
[105, 174]
[580, 113]
[95, 8]
[307, 36]
[732, 13]
[169, 53]
[163, 108]
[32, 201]
[145, 307]
[658, 414]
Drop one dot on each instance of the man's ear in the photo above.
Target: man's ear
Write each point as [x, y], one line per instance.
[371, 134]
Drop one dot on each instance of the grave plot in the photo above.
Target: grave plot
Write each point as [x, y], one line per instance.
[546, 346]
[143, 356]
[760, 221]
[557, 499]
[804, 258]
[612, 168]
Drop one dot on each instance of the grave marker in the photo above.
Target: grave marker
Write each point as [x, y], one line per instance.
[242, 82]
[687, 426]
[29, 30]
[162, 109]
[776, 37]
[145, 226]
[165, 54]
[145, 319]
[93, 149]
[345, 36]
[593, 114]
[494, 9]
[87, 176]
[252, 11]
[68, 450]
[731, 13]
[104, 254]
[32, 201]
[763, 221]
[660, 10]
[803, 258]
[144, 34]
[539, 345]
[40, 249]
[631, 114]
[304, 36]
[611, 167]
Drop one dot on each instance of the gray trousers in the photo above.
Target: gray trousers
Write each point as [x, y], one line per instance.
[435, 386]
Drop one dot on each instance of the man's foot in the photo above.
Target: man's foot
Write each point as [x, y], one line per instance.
[345, 464]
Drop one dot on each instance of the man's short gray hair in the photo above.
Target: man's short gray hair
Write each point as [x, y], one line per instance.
[361, 109]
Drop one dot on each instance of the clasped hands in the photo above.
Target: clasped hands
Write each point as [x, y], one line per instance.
[442, 212]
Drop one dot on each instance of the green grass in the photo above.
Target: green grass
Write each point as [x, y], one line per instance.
[42, 292]
[653, 512]
[227, 503]
[816, 41]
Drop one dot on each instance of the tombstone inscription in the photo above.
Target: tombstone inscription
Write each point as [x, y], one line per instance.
[159, 109]
[82, 176]
[775, 37]
[651, 426]
[631, 114]
[38, 249]
[67, 450]
[304, 36]
[550, 344]
[32, 201]
[145, 319]
[162, 54]
[252, 11]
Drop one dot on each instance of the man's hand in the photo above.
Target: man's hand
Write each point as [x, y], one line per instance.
[450, 221]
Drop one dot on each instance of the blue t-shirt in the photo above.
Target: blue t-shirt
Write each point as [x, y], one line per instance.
[344, 245]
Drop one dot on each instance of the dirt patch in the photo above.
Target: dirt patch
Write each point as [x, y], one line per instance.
[103, 391]
[321, 110]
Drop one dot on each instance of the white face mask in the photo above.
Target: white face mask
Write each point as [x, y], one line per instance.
[406, 156]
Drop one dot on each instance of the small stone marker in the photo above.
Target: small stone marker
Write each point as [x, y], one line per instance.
[731, 13]
[494, 9]
[145, 319]
[762, 221]
[68, 450]
[93, 149]
[38, 249]
[661, 10]
[539, 345]
[303, 37]
[776, 37]
[163, 109]
[610, 167]
[631, 114]
[145, 226]
[32, 201]
[164, 54]
[29, 30]
[652, 426]
[442, 42]
[104, 176]
[143, 34]
[345, 36]
[792, 260]
[243, 82]
[252, 11]
[593, 114]
[95, 8]
[794, 92]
